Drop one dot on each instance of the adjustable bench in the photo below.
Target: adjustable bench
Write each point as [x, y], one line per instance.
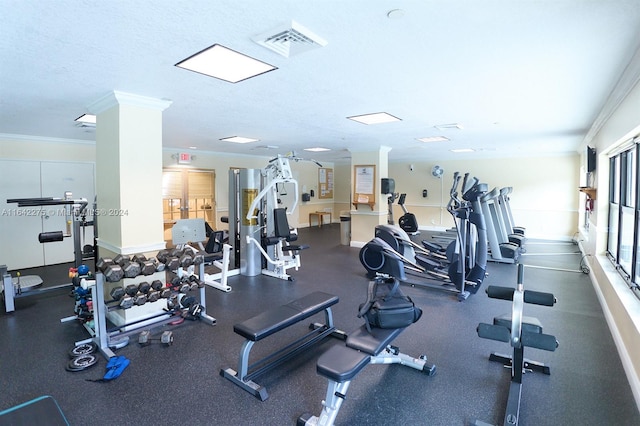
[272, 321]
[340, 364]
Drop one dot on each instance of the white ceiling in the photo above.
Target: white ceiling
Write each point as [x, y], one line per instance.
[523, 77]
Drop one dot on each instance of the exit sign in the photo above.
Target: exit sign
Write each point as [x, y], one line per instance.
[184, 158]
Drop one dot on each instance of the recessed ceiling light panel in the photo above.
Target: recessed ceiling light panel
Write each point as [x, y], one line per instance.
[317, 149]
[86, 118]
[433, 139]
[458, 150]
[225, 64]
[449, 126]
[375, 118]
[239, 139]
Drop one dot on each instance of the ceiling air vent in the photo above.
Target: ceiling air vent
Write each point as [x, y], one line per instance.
[290, 39]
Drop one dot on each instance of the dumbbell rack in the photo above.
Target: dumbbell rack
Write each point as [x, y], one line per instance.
[158, 316]
[121, 317]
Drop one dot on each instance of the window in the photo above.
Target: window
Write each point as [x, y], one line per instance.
[623, 245]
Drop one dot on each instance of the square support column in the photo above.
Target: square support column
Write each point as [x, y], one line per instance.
[364, 219]
[129, 172]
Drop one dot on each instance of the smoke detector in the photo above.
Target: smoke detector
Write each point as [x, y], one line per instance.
[290, 39]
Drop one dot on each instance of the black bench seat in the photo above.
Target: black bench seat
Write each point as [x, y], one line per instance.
[272, 321]
[342, 363]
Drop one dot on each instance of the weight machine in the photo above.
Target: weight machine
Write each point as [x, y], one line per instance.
[76, 221]
[258, 228]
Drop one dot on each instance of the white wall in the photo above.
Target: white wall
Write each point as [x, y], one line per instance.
[621, 307]
[544, 199]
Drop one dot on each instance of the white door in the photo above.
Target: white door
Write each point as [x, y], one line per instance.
[20, 226]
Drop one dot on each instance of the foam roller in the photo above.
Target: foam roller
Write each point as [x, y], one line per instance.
[539, 298]
[50, 237]
[498, 292]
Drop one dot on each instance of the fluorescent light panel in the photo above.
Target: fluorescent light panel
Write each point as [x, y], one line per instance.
[239, 139]
[449, 126]
[375, 118]
[86, 118]
[225, 64]
[433, 139]
[462, 150]
[317, 149]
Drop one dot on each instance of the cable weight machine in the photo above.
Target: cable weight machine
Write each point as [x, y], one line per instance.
[75, 212]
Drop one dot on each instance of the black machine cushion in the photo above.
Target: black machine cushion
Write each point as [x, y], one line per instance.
[374, 341]
[281, 224]
[341, 363]
[274, 320]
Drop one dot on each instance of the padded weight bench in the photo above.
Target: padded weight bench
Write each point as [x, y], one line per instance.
[43, 410]
[340, 364]
[272, 321]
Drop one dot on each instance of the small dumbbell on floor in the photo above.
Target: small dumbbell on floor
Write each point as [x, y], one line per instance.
[166, 338]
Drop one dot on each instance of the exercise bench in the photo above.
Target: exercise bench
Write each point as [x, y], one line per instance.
[272, 321]
[519, 331]
[340, 364]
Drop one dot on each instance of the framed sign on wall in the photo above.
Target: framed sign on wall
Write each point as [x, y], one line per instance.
[364, 185]
[325, 183]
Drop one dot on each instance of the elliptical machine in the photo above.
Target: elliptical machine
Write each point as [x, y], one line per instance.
[407, 221]
[463, 271]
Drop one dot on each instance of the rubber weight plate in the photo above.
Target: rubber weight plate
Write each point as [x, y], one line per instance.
[84, 349]
[82, 362]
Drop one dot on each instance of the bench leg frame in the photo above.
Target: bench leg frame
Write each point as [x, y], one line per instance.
[336, 394]
[245, 374]
[337, 391]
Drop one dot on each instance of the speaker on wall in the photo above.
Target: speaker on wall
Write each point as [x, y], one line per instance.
[387, 186]
[591, 159]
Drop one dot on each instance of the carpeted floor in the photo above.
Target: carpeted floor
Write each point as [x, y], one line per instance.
[181, 384]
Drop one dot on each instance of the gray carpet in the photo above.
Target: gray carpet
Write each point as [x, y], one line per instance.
[181, 384]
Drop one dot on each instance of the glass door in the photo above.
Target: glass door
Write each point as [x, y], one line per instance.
[187, 194]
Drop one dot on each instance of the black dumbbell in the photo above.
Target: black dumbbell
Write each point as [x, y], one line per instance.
[139, 258]
[165, 293]
[153, 295]
[194, 311]
[117, 293]
[120, 259]
[162, 256]
[131, 290]
[140, 299]
[144, 287]
[172, 263]
[198, 258]
[195, 280]
[157, 285]
[147, 267]
[186, 260]
[126, 302]
[113, 273]
[103, 262]
[187, 301]
[131, 269]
